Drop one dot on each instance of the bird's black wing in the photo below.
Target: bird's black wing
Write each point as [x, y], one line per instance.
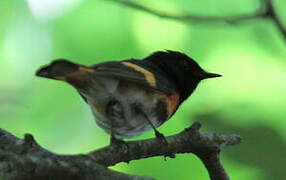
[136, 72]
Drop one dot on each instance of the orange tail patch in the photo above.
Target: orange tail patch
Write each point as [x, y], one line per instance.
[80, 77]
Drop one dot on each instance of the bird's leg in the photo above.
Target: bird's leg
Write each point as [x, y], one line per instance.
[158, 135]
[114, 140]
[119, 143]
[112, 112]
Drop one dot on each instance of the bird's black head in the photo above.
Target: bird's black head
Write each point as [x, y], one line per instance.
[183, 70]
[58, 69]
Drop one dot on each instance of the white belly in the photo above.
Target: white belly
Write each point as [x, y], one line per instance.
[121, 117]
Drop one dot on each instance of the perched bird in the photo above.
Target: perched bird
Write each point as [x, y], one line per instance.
[132, 96]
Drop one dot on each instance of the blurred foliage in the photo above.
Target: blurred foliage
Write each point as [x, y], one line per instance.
[249, 99]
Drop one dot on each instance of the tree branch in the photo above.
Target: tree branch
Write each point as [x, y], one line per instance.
[272, 14]
[266, 10]
[25, 159]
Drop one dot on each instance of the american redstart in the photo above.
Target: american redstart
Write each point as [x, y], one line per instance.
[132, 96]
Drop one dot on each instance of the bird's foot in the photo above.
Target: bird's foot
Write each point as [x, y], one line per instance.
[163, 139]
[119, 143]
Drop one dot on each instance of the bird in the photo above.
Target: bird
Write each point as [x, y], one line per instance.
[132, 96]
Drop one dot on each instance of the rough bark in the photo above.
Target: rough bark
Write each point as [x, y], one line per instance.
[25, 159]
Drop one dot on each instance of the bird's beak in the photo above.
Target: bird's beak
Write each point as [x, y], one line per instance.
[42, 73]
[211, 75]
[46, 73]
[205, 75]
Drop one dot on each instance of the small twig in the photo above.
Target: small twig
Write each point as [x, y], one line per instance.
[212, 163]
[187, 17]
[266, 9]
[272, 14]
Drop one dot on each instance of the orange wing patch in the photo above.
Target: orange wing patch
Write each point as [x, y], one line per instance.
[86, 69]
[150, 78]
[172, 103]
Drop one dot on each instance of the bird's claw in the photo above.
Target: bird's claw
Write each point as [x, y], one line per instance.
[163, 139]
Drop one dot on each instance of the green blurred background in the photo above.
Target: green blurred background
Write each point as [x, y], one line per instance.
[248, 100]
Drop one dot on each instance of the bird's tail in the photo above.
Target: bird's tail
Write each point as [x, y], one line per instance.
[65, 70]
